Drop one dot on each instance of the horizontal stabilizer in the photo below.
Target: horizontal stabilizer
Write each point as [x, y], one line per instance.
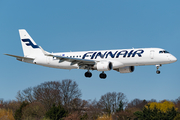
[19, 57]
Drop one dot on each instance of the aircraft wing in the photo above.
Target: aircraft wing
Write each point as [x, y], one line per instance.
[19, 57]
[81, 62]
[74, 60]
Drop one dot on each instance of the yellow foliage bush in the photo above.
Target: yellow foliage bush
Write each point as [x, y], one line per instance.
[163, 107]
[105, 117]
[177, 117]
[6, 114]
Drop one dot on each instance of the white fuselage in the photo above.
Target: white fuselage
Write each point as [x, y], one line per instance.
[119, 58]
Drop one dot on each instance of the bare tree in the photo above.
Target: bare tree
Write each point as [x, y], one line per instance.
[25, 95]
[77, 109]
[107, 101]
[69, 91]
[19, 96]
[47, 94]
[78, 104]
[152, 100]
[28, 93]
[137, 103]
[94, 109]
[110, 101]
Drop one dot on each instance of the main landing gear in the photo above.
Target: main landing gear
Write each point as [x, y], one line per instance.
[89, 74]
[102, 75]
[157, 67]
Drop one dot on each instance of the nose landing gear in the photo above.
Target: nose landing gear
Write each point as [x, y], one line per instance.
[158, 72]
[157, 67]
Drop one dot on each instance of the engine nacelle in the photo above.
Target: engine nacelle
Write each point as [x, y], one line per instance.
[104, 66]
[127, 69]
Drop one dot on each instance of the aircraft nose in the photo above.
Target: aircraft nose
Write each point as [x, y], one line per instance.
[173, 59]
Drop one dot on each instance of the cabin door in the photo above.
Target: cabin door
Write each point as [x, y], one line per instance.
[152, 54]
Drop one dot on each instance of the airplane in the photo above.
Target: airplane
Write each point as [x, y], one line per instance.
[120, 60]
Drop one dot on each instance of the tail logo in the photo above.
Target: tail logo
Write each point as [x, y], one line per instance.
[29, 43]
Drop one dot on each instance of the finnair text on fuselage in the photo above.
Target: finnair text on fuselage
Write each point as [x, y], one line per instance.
[116, 54]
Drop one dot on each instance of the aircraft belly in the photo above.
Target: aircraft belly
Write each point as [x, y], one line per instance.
[63, 65]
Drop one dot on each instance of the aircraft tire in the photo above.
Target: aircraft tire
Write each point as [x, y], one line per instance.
[88, 74]
[102, 75]
[158, 72]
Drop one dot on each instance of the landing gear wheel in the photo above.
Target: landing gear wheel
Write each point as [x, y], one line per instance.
[102, 75]
[157, 67]
[158, 72]
[88, 74]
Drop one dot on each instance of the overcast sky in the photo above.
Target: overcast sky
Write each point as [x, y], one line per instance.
[80, 25]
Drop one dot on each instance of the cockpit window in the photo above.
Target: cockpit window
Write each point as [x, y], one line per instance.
[164, 51]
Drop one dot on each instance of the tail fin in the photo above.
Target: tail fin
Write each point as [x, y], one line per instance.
[30, 48]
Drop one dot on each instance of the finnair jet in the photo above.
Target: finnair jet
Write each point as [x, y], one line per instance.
[121, 60]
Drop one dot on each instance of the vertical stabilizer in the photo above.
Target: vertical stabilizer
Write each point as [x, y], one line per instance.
[30, 48]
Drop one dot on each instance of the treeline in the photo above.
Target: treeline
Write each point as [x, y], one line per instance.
[61, 100]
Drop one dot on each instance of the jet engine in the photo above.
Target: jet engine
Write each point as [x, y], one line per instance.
[104, 66]
[127, 69]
